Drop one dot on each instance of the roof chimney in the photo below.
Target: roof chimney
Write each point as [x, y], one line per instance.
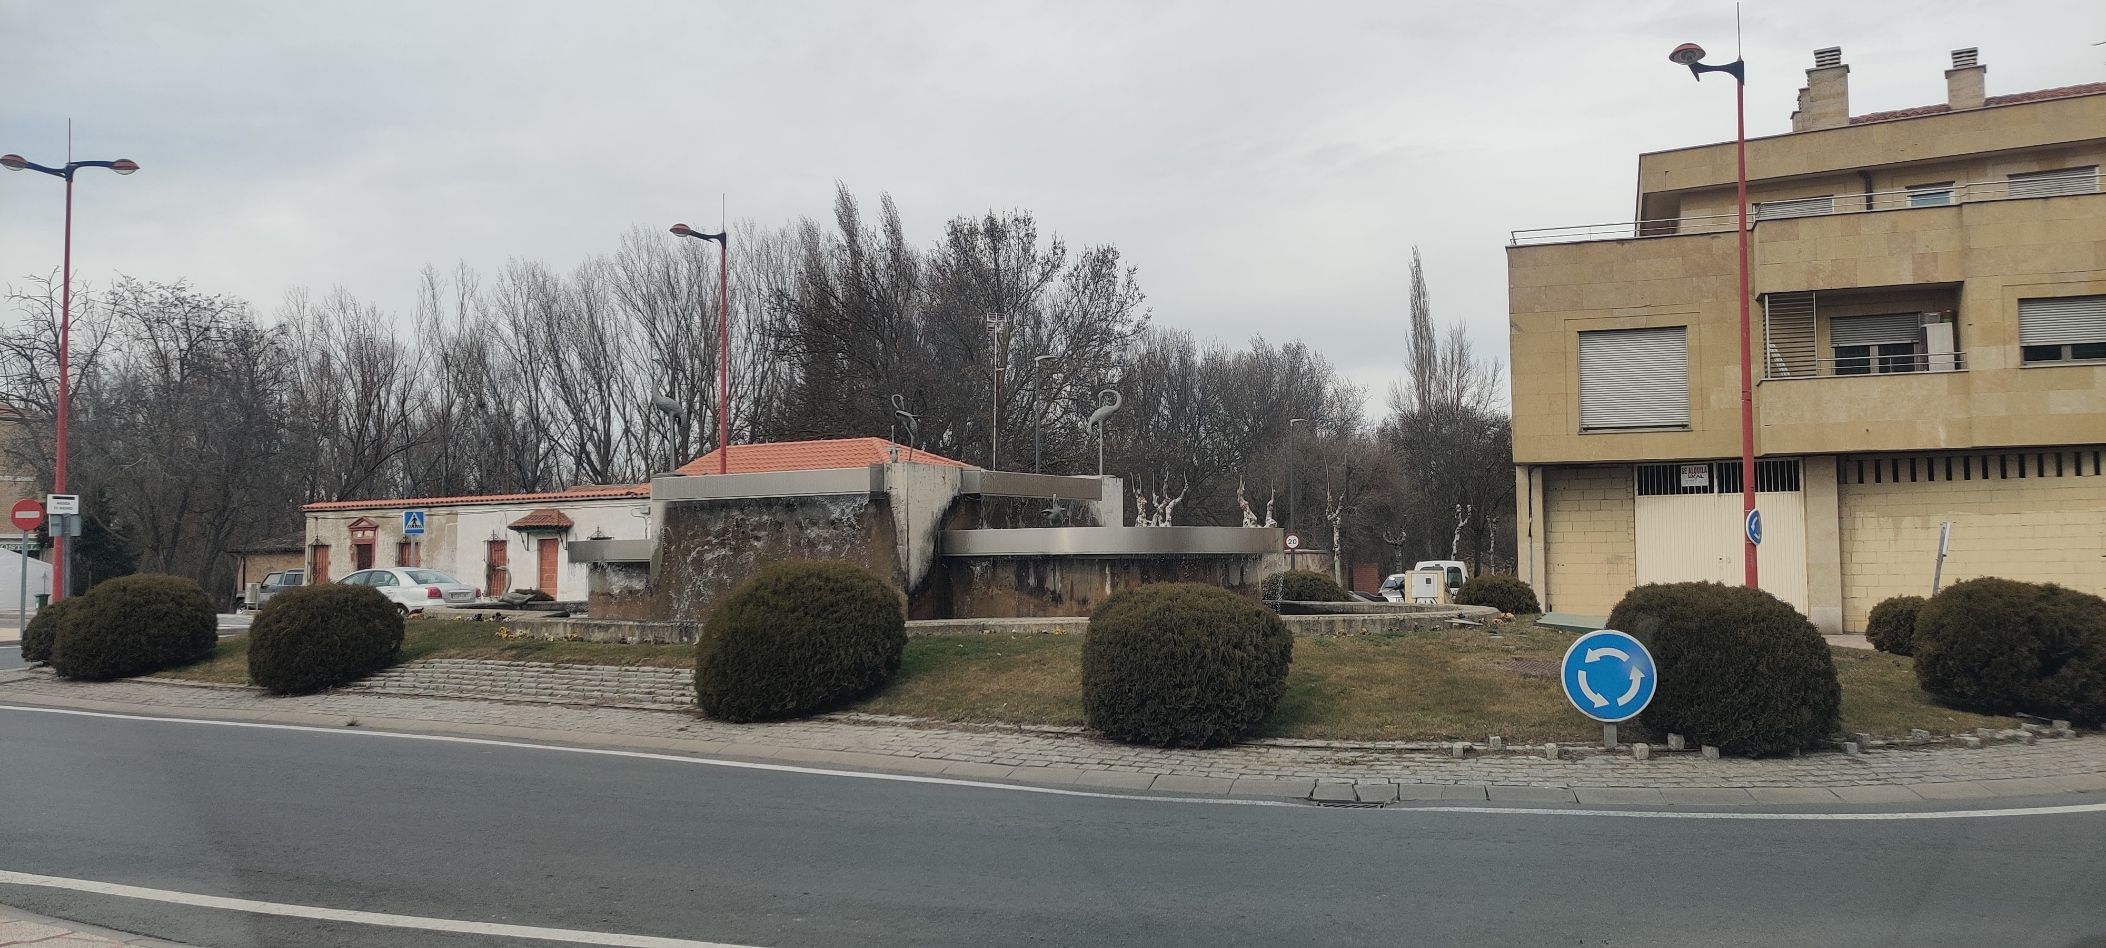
[1825, 101]
[1963, 82]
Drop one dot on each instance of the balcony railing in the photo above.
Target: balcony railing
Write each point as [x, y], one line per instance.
[1869, 365]
[1861, 202]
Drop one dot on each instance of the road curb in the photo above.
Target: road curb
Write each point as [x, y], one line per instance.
[1131, 779]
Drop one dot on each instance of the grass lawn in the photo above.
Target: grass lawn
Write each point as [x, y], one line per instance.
[1446, 685]
[456, 638]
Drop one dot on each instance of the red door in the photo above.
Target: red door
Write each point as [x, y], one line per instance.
[320, 574]
[497, 576]
[547, 550]
[362, 555]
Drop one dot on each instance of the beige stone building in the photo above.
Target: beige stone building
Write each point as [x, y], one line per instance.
[1929, 329]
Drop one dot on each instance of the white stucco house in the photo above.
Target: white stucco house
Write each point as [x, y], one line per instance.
[495, 542]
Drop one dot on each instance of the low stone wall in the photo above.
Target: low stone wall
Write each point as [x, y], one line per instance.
[606, 686]
[624, 631]
[628, 631]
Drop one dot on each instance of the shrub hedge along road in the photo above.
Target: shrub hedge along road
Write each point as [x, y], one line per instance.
[1504, 593]
[1182, 665]
[1891, 627]
[313, 637]
[42, 631]
[797, 637]
[132, 625]
[1303, 585]
[2002, 646]
[1739, 669]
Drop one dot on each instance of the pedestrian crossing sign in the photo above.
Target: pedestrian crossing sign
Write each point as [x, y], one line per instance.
[413, 523]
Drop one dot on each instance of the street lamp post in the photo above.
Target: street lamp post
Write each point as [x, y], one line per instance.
[1038, 421]
[723, 241]
[1691, 55]
[997, 324]
[65, 338]
[1294, 477]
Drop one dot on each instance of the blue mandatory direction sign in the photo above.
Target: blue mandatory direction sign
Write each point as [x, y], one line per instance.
[413, 523]
[1755, 527]
[1609, 676]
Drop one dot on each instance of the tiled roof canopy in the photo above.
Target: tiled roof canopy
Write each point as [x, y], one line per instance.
[594, 492]
[547, 518]
[2037, 95]
[813, 456]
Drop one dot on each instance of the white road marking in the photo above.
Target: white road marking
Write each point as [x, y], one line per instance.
[2058, 810]
[319, 913]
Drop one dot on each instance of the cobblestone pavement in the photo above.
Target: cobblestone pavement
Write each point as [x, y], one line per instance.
[1064, 758]
[609, 686]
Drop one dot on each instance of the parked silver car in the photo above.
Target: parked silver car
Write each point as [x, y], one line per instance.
[273, 584]
[413, 589]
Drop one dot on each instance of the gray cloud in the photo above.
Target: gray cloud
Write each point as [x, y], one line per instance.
[1267, 166]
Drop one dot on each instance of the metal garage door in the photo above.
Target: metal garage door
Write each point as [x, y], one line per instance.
[1689, 525]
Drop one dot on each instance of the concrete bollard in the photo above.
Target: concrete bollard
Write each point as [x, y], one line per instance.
[1985, 733]
[1675, 742]
[1851, 748]
[1971, 742]
[1458, 749]
[1496, 743]
[1918, 735]
[2025, 737]
[1710, 752]
[1550, 752]
[1641, 751]
[1863, 739]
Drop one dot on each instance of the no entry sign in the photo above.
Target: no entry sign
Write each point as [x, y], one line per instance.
[27, 514]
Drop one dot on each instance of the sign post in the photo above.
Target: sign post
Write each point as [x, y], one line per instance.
[26, 515]
[1944, 541]
[413, 529]
[1609, 676]
[65, 507]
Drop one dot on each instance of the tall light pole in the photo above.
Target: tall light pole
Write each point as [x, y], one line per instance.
[1038, 420]
[65, 338]
[997, 324]
[723, 241]
[1294, 477]
[1691, 55]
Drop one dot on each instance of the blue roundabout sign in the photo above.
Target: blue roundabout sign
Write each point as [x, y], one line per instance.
[1609, 676]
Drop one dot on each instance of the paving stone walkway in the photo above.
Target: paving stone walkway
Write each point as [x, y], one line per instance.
[1063, 758]
[20, 929]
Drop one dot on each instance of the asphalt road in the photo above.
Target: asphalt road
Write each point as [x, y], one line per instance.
[621, 844]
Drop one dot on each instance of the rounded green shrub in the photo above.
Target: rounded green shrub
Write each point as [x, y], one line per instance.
[1891, 627]
[1739, 669]
[1303, 585]
[42, 631]
[313, 637]
[1182, 665]
[2000, 646]
[132, 625]
[1501, 592]
[796, 637]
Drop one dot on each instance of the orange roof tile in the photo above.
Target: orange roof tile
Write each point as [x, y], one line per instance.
[575, 493]
[813, 456]
[2037, 95]
[547, 518]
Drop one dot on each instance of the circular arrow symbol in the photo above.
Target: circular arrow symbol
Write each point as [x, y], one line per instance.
[1610, 658]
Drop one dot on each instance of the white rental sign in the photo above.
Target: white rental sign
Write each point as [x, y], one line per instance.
[62, 504]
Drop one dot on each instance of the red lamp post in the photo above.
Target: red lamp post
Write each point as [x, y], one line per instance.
[723, 241]
[65, 337]
[1690, 54]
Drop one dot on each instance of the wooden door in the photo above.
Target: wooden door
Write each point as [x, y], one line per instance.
[497, 575]
[546, 548]
[320, 573]
[403, 551]
[362, 555]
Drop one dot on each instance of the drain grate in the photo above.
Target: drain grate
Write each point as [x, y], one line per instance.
[1349, 804]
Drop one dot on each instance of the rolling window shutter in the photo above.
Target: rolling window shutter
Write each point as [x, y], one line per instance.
[2083, 180]
[1634, 378]
[1800, 207]
[2062, 321]
[1873, 330]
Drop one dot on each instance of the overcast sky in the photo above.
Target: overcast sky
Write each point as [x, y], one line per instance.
[1266, 166]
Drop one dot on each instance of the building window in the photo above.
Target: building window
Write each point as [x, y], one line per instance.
[1884, 344]
[2083, 180]
[1930, 195]
[2062, 329]
[1797, 207]
[1634, 378]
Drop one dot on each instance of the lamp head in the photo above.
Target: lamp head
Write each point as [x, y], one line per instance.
[1686, 54]
[124, 166]
[665, 404]
[13, 162]
[684, 230]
